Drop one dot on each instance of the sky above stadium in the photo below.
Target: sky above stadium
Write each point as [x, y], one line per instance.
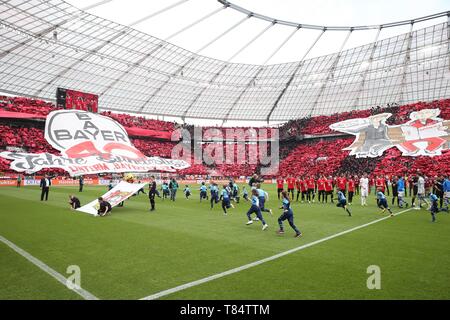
[319, 12]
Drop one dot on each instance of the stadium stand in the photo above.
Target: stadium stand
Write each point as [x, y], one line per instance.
[313, 158]
[26, 105]
[140, 122]
[154, 148]
[305, 157]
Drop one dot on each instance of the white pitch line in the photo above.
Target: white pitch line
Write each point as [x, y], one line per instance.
[55, 274]
[257, 263]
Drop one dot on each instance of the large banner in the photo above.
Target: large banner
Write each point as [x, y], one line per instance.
[89, 143]
[424, 135]
[116, 195]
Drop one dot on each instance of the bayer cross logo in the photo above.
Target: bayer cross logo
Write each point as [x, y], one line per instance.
[91, 129]
[67, 129]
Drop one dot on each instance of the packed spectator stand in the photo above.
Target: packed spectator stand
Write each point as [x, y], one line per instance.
[312, 156]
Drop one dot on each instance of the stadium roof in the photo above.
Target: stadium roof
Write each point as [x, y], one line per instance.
[50, 44]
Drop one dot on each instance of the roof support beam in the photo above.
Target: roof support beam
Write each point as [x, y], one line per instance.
[330, 73]
[203, 90]
[281, 45]
[39, 35]
[173, 35]
[238, 52]
[131, 68]
[222, 34]
[95, 5]
[406, 63]
[83, 58]
[29, 40]
[297, 68]
[49, 30]
[331, 28]
[252, 81]
[190, 60]
[154, 14]
[104, 44]
[448, 45]
[366, 71]
[159, 46]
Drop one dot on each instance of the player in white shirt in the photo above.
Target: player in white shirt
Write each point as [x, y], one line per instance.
[364, 189]
[421, 191]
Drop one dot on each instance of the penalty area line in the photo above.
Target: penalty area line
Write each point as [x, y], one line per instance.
[259, 262]
[41, 265]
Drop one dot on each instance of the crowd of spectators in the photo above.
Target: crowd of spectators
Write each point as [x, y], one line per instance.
[26, 105]
[140, 122]
[30, 139]
[43, 108]
[402, 115]
[357, 166]
[316, 156]
[313, 158]
[393, 163]
[321, 124]
[251, 133]
[4, 166]
[154, 148]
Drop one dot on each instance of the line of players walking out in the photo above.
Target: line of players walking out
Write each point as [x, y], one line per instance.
[433, 192]
[228, 193]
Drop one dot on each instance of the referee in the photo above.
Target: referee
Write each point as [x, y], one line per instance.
[152, 193]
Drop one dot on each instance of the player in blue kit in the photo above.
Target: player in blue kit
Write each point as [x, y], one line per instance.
[446, 191]
[401, 192]
[203, 192]
[225, 197]
[255, 208]
[187, 192]
[245, 194]
[382, 202]
[342, 202]
[434, 206]
[165, 190]
[214, 190]
[288, 215]
[262, 199]
[235, 189]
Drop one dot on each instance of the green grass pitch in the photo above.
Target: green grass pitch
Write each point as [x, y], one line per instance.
[134, 253]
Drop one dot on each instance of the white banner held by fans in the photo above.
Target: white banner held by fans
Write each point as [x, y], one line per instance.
[116, 195]
[89, 143]
[425, 134]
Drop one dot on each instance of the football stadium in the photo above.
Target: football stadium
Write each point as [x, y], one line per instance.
[224, 150]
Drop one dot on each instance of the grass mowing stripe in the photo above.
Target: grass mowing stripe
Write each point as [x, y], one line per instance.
[55, 274]
[256, 263]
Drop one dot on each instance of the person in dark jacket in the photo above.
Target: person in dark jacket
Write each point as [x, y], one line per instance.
[81, 181]
[152, 193]
[395, 190]
[173, 186]
[254, 180]
[105, 207]
[45, 184]
[74, 202]
[141, 189]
